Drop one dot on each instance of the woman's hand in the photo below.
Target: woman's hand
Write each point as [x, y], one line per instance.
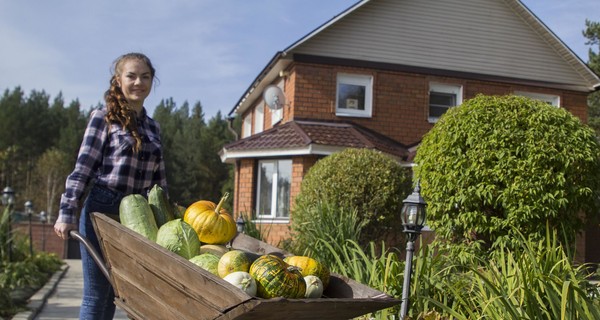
[62, 229]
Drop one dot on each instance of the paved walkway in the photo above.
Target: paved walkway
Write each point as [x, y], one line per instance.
[61, 297]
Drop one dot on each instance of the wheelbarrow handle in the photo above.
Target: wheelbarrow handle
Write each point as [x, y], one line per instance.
[92, 251]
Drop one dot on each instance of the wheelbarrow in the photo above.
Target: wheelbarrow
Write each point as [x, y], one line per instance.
[151, 282]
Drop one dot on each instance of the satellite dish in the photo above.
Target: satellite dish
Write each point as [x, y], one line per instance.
[274, 97]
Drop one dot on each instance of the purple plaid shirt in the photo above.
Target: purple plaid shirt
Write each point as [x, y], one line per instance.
[107, 157]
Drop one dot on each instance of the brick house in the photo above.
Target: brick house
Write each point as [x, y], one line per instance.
[378, 75]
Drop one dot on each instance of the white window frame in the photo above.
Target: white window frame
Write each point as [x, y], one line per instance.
[273, 214]
[455, 89]
[357, 80]
[551, 99]
[259, 117]
[247, 125]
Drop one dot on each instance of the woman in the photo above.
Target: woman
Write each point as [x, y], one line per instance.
[120, 154]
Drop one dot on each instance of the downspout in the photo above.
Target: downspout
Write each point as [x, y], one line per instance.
[230, 127]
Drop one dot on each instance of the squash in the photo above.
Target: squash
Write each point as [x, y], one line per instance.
[310, 266]
[314, 287]
[161, 208]
[178, 210]
[275, 278]
[234, 260]
[207, 261]
[213, 224]
[217, 249]
[242, 280]
[135, 213]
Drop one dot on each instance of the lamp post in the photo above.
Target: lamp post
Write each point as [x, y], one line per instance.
[43, 220]
[240, 224]
[29, 212]
[8, 200]
[413, 219]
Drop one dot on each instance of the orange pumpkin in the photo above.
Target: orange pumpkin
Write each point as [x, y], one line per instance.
[213, 224]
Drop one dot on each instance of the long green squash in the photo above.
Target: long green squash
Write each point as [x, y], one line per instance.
[135, 213]
[161, 208]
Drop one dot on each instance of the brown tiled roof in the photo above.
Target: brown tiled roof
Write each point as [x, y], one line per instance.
[299, 133]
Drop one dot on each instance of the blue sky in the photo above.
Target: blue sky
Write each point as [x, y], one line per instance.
[203, 50]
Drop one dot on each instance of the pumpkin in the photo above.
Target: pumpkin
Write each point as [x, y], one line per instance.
[232, 261]
[213, 224]
[242, 280]
[275, 278]
[314, 287]
[310, 266]
[135, 213]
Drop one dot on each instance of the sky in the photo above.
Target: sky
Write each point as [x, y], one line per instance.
[206, 51]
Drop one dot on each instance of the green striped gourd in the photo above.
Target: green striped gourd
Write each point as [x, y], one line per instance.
[275, 278]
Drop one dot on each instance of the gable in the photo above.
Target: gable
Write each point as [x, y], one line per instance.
[499, 38]
[479, 39]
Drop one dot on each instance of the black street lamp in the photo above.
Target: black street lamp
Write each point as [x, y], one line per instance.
[43, 220]
[8, 200]
[29, 212]
[413, 218]
[240, 224]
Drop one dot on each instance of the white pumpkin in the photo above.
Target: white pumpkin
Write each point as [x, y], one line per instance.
[314, 287]
[242, 280]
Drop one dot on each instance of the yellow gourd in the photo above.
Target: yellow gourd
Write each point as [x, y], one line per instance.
[213, 224]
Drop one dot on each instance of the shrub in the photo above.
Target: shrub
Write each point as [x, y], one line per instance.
[364, 180]
[324, 221]
[498, 162]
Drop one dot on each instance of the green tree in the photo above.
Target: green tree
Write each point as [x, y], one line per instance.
[50, 172]
[498, 162]
[592, 33]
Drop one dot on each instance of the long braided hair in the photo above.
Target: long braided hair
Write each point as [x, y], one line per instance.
[118, 109]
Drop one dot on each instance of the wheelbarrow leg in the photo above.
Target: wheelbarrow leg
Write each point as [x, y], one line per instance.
[92, 251]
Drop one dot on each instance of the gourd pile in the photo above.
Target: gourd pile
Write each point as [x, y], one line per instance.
[200, 233]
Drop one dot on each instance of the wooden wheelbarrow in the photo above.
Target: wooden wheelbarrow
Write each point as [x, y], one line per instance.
[151, 282]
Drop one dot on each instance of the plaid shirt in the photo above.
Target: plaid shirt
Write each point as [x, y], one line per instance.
[107, 156]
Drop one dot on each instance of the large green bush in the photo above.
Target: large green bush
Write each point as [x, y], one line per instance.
[496, 162]
[362, 180]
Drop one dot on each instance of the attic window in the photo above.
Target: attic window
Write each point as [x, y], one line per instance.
[441, 98]
[354, 95]
[550, 99]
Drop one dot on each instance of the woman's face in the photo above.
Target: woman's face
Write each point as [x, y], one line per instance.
[135, 80]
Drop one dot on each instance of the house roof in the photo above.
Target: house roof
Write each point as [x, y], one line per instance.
[501, 40]
[300, 137]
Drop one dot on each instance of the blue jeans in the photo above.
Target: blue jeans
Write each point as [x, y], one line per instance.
[98, 295]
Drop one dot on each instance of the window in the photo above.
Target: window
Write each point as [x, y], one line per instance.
[259, 117]
[550, 99]
[441, 98]
[276, 116]
[247, 125]
[273, 190]
[354, 95]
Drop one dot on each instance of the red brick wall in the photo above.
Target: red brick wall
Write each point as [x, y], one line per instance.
[52, 242]
[400, 105]
[244, 181]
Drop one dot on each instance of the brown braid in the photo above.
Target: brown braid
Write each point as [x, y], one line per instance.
[118, 110]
